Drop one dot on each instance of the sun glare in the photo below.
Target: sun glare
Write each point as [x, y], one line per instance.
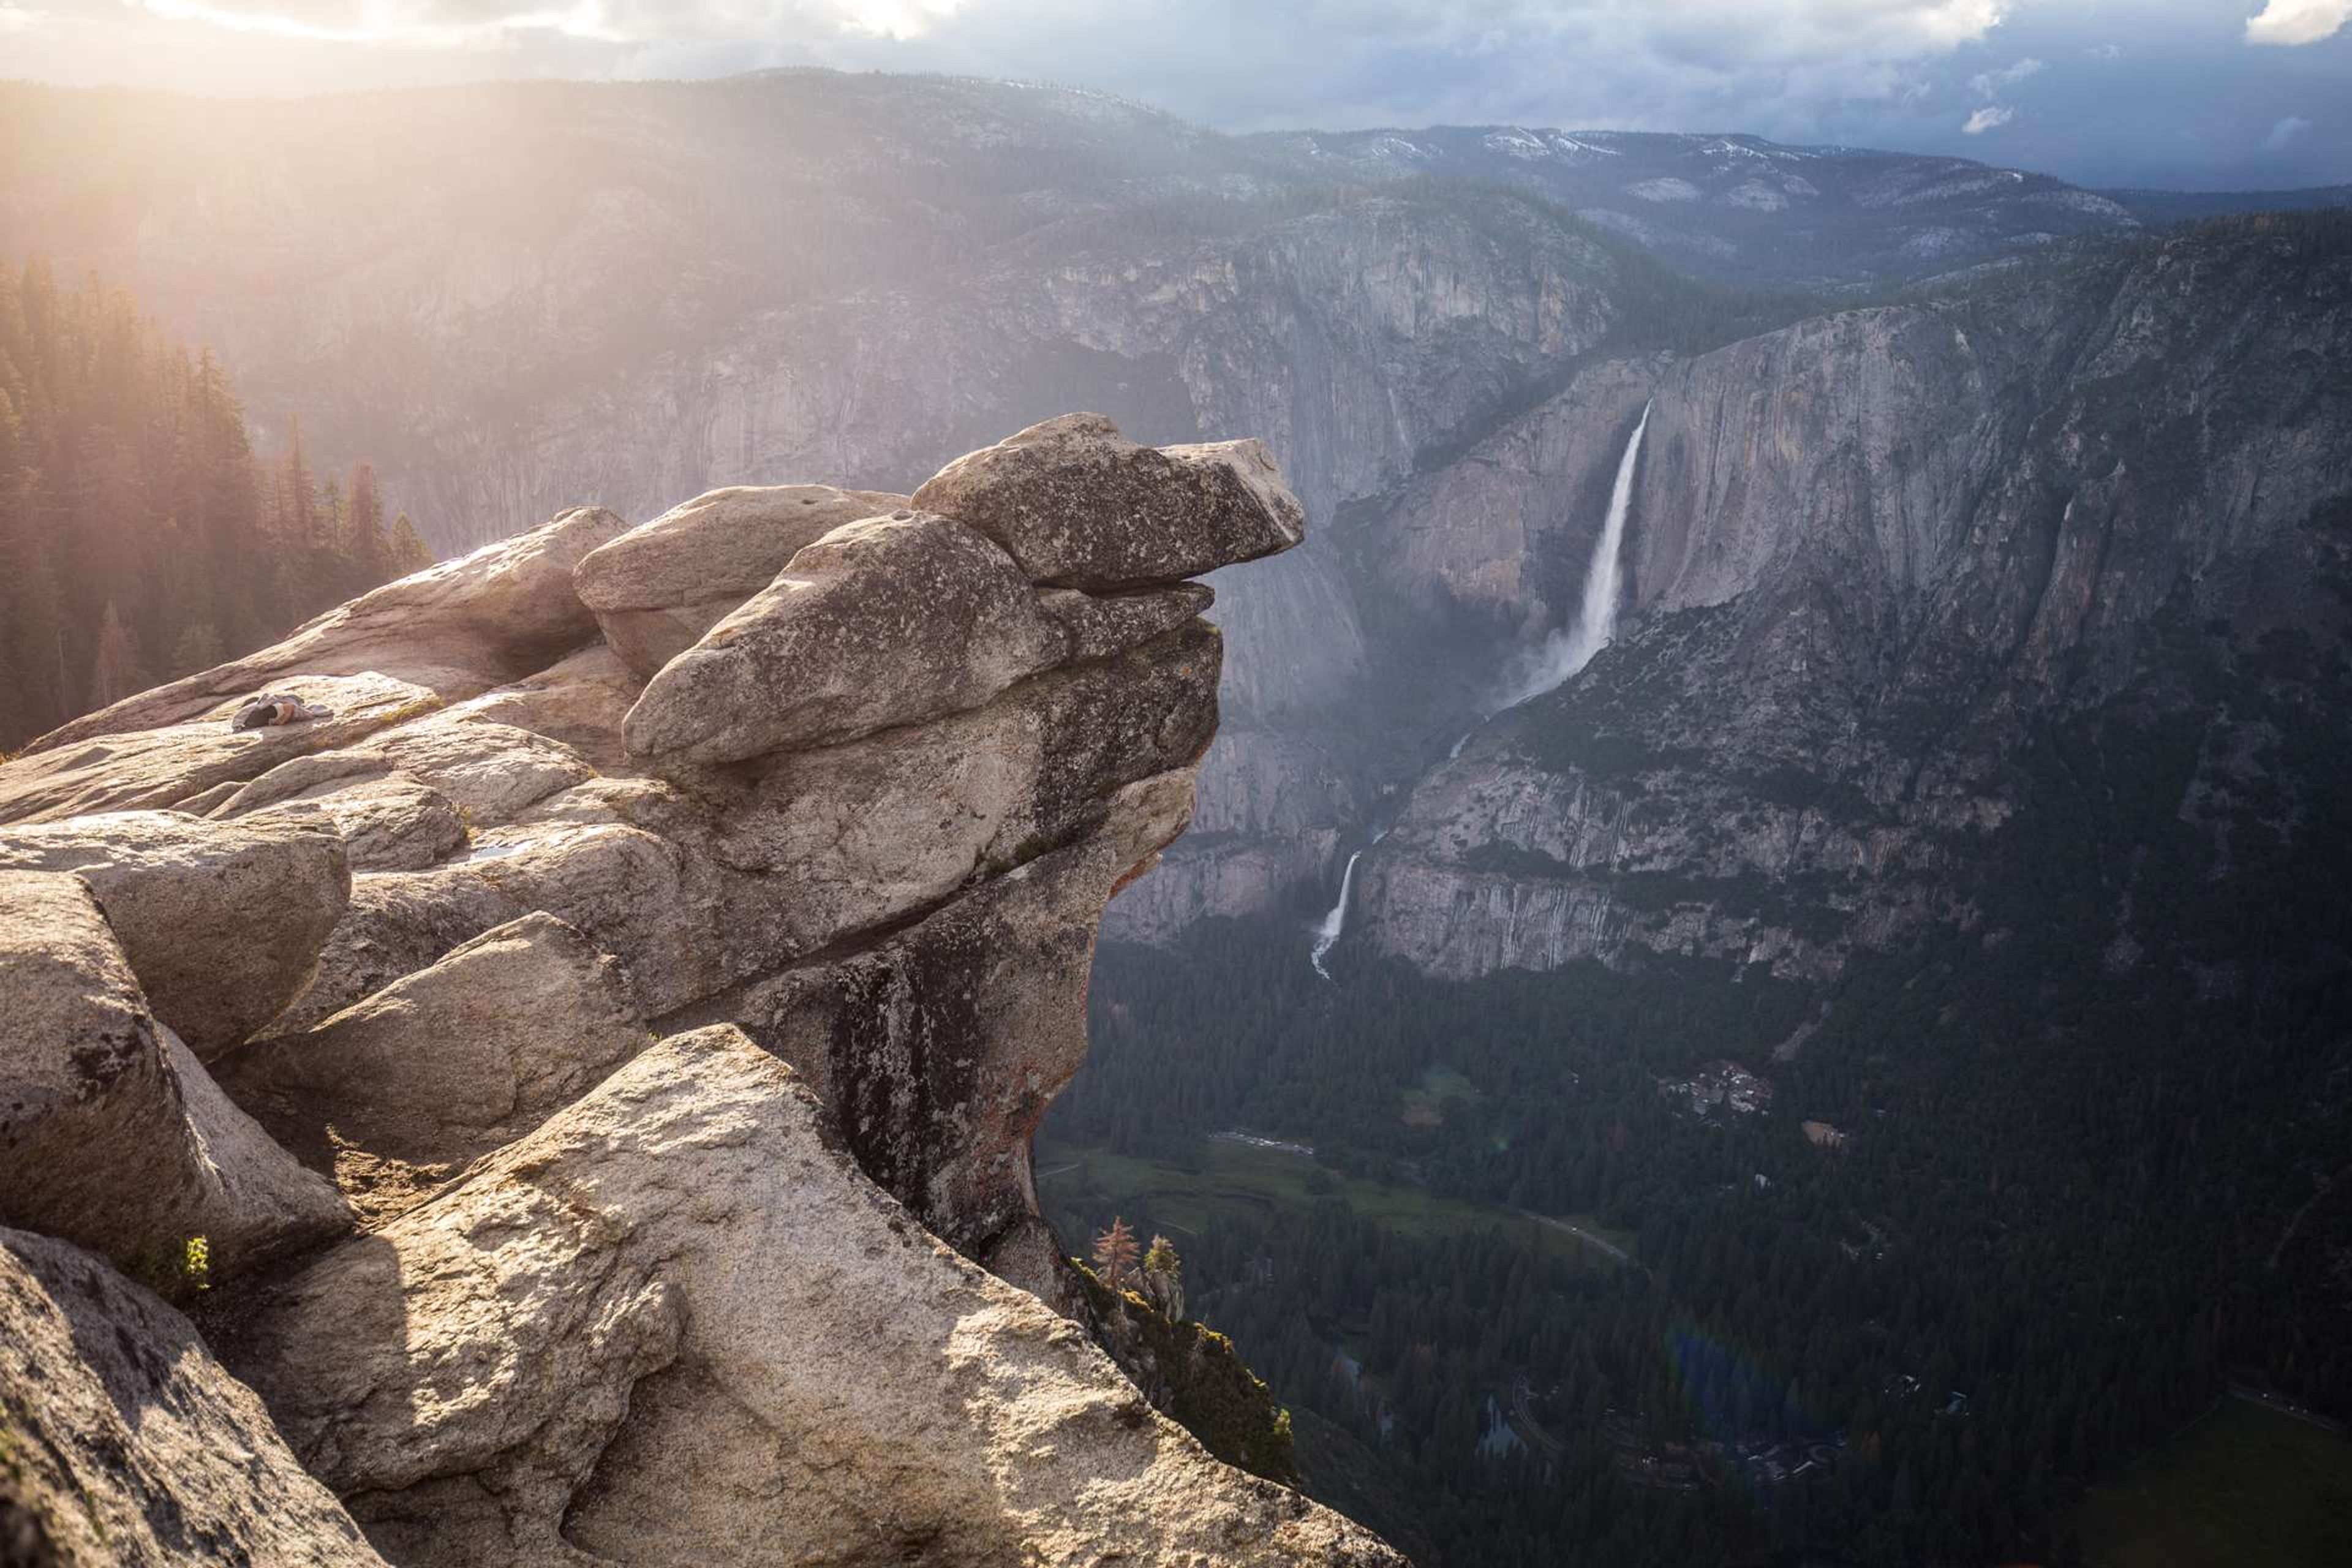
[401, 22]
[896, 19]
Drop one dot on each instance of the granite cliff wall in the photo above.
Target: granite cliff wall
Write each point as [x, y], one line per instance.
[1873, 557]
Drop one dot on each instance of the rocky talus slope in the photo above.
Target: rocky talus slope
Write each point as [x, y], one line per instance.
[580, 1089]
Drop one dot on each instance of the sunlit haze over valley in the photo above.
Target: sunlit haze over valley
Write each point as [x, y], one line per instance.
[1464, 782]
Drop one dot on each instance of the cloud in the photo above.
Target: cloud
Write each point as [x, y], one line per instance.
[2284, 132]
[1985, 84]
[2292, 22]
[2188, 106]
[1732, 36]
[472, 24]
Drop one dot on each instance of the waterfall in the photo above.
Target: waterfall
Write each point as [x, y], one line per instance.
[1596, 618]
[1596, 622]
[1327, 936]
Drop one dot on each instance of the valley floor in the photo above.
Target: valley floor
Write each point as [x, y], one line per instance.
[1215, 1181]
[2244, 1484]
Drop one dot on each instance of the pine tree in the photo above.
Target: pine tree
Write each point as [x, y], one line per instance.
[304, 546]
[114, 669]
[1115, 1254]
[366, 548]
[410, 553]
[222, 502]
[139, 536]
[197, 648]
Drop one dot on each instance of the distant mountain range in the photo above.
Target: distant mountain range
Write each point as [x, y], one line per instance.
[519, 297]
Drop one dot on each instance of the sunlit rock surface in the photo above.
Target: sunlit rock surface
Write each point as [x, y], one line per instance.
[113, 1136]
[221, 921]
[656, 589]
[128, 1445]
[673, 1046]
[1076, 503]
[678, 1325]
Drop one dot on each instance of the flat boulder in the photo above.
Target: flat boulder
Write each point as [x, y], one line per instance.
[1077, 505]
[390, 823]
[190, 764]
[677, 1325]
[885, 621]
[456, 629]
[489, 772]
[659, 588]
[398, 922]
[635, 893]
[222, 922]
[393, 1094]
[580, 702]
[111, 1134]
[122, 1441]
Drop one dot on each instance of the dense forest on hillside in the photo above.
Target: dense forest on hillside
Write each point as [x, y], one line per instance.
[141, 537]
[2019, 1199]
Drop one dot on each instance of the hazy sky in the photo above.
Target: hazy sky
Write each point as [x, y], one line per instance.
[2174, 93]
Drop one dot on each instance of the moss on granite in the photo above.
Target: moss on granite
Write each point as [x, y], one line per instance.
[1195, 1377]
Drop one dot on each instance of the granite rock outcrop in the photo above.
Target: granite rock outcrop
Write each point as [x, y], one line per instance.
[611, 1154]
[128, 1446]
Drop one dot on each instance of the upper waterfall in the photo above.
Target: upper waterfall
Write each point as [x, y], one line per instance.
[1596, 620]
[1563, 655]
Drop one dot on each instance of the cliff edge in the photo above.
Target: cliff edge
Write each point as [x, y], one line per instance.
[581, 1086]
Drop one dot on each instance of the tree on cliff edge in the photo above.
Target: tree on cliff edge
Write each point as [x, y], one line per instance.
[1115, 1254]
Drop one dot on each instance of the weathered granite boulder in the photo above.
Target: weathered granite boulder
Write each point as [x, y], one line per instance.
[124, 1444]
[192, 764]
[1078, 505]
[398, 922]
[1096, 626]
[111, 1134]
[675, 1325]
[394, 1095]
[825, 844]
[580, 702]
[697, 890]
[659, 588]
[938, 1049]
[393, 822]
[887, 621]
[456, 629]
[222, 922]
[490, 772]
